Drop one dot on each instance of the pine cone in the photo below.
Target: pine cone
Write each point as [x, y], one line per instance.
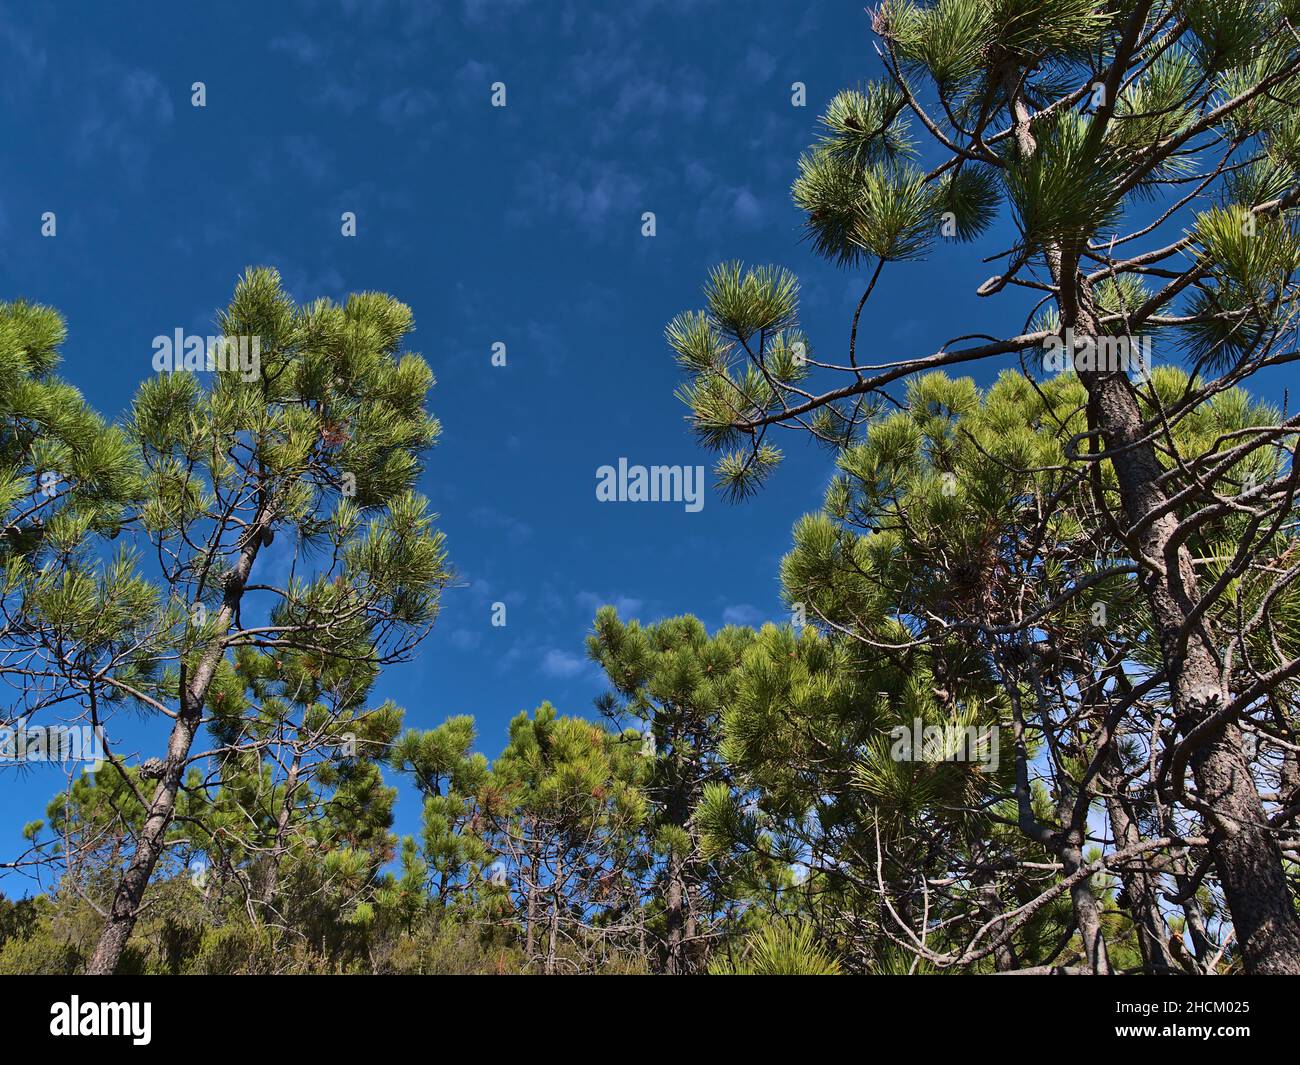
[152, 769]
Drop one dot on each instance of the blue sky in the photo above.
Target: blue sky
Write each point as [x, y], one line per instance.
[519, 225]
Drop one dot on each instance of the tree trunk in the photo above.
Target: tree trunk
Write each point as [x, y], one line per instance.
[281, 827]
[530, 942]
[1068, 844]
[1202, 949]
[152, 839]
[991, 905]
[675, 916]
[148, 849]
[1246, 855]
[1139, 888]
[552, 938]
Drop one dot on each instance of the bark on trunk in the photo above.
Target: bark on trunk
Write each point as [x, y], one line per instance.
[675, 916]
[149, 846]
[1246, 855]
[531, 933]
[281, 828]
[1140, 889]
[552, 938]
[1087, 914]
[152, 839]
[991, 905]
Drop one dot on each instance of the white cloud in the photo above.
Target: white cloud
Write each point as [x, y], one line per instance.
[407, 105]
[299, 46]
[626, 605]
[742, 614]
[759, 62]
[591, 194]
[465, 639]
[515, 531]
[562, 664]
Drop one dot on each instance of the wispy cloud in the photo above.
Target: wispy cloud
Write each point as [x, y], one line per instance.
[23, 60]
[405, 105]
[562, 664]
[591, 194]
[626, 605]
[515, 531]
[299, 47]
[123, 114]
[742, 614]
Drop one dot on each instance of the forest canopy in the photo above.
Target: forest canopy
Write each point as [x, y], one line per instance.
[1033, 708]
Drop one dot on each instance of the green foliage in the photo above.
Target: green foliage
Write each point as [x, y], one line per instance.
[779, 951]
[319, 442]
[865, 126]
[1068, 189]
[65, 475]
[675, 684]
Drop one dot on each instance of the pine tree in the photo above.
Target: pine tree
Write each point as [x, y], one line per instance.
[318, 447]
[957, 562]
[450, 778]
[822, 793]
[1146, 154]
[64, 473]
[296, 776]
[674, 682]
[564, 812]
